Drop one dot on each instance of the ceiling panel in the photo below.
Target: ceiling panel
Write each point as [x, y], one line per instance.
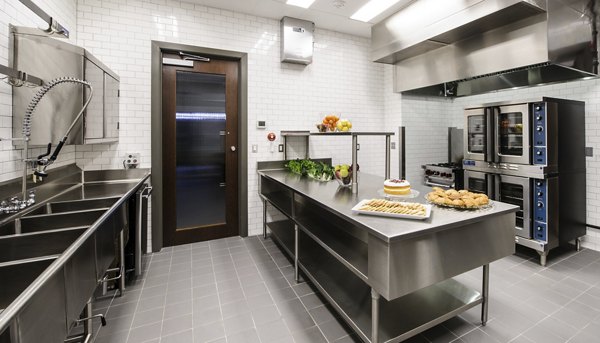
[327, 14]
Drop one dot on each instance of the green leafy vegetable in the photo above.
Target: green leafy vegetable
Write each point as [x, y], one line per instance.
[315, 170]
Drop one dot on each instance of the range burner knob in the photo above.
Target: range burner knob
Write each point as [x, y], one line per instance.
[539, 152]
[539, 129]
[539, 228]
[538, 107]
[540, 194]
[539, 117]
[540, 204]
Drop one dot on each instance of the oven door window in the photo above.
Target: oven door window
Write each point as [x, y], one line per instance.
[476, 134]
[513, 194]
[477, 185]
[510, 134]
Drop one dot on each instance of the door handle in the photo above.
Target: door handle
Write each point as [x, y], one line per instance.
[232, 148]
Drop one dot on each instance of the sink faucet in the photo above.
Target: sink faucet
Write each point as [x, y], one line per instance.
[15, 204]
[41, 163]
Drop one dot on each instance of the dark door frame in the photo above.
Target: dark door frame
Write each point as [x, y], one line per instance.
[158, 48]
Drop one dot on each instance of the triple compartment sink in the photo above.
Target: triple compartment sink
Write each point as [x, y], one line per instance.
[28, 245]
[54, 255]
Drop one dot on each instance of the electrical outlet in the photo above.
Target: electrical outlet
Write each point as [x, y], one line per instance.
[589, 151]
[132, 160]
[357, 147]
[392, 145]
[280, 147]
[254, 148]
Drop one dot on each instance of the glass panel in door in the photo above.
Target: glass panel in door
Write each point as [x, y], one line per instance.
[510, 134]
[476, 134]
[478, 185]
[200, 157]
[513, 194]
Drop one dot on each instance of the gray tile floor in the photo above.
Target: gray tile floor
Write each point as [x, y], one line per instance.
[242, 290]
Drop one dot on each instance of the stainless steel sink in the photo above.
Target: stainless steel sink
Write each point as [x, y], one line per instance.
[96, 190]
[79, 205]
[17, 276]
[76, 224]
[26, 246]
[53, 221]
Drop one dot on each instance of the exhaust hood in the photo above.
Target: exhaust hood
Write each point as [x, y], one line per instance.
[460, 48]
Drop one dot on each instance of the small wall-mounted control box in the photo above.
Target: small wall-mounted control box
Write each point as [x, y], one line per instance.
[261, 124]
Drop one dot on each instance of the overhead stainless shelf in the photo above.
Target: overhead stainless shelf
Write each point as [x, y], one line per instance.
[353, 133]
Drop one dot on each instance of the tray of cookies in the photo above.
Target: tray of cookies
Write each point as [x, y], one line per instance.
[393, 209]
[461, 199]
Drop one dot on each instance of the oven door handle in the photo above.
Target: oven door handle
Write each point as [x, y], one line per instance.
[435, 184]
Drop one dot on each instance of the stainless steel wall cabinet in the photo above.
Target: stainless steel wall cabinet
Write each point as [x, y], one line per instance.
[297, 40]
[36, 53]
[459, 48]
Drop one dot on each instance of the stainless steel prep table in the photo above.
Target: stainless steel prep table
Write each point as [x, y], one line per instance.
[393, 275]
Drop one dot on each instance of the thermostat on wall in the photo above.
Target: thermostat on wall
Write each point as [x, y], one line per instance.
[261, 124]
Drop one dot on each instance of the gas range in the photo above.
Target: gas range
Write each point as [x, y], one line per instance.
[446, 175]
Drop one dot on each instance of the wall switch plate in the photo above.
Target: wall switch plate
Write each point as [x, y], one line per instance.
[132, 160]
[589, 151]
[392, 145]
[280, 147]
[357, 147]
[255, 148]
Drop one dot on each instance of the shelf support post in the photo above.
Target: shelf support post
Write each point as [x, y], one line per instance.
[374, 316]
[485, 294]
[265, 219]
[122, 263]
[388, 154]
[354, 164]
[296, 275]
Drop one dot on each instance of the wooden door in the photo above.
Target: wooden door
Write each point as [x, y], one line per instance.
[200, 140]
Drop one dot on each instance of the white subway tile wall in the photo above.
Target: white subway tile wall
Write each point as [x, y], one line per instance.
[15, 13]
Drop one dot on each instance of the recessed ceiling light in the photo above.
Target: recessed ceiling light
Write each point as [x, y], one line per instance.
[372, 8]
[300, 3]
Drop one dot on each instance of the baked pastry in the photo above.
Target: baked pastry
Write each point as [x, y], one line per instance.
[454, 198]
[386, 206]
[396, 187]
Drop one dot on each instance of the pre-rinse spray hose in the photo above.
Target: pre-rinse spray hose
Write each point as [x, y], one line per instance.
[40, 94]
[27, 124]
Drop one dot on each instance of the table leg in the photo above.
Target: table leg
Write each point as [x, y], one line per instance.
[485, 294]
[374, 316]
[296, 275]
[264, 219]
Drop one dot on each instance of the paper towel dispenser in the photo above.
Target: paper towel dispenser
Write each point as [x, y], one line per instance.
[297, 40]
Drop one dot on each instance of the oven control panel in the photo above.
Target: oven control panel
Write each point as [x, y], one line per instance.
[540, 211]
[539, 133]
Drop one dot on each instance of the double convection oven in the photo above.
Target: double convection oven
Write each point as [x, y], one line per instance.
[531, 154]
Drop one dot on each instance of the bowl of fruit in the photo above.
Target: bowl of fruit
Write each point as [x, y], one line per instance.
[343, 125]
[330, 121]
[343, 175]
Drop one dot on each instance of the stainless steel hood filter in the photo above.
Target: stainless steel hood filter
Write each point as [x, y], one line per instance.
[459, 48]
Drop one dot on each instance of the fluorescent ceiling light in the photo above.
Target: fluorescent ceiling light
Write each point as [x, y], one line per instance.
[300, 3]
[372, 9]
